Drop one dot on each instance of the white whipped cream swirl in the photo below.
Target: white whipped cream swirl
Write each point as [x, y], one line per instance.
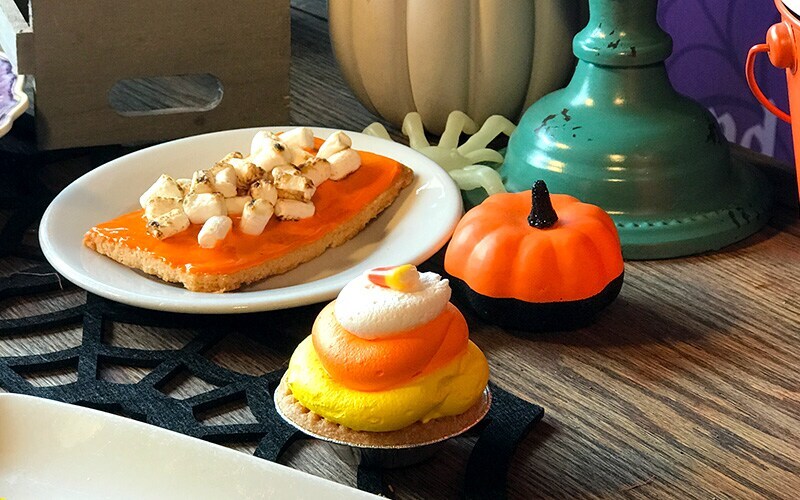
[370, 311]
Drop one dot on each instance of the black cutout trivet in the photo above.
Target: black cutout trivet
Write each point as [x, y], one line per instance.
[509, 419]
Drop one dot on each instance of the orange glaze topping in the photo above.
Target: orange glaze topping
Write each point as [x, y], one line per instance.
[336, 203]
[385, 363]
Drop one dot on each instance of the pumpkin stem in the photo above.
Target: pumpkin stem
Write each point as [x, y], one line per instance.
[542, 213]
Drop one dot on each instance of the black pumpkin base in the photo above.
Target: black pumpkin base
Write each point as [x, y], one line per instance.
[537, 317]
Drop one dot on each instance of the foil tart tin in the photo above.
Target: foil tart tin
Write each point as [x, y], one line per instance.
[396, 455]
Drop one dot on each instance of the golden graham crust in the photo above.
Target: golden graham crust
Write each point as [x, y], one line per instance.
[416, 434]
[206, 282]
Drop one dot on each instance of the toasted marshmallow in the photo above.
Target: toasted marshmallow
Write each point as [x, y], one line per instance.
[316, 169]
[225, 180]
[262, 139]
[344, 163]
[201, 183]
[185, 185]
[255, 216]
[202, 206]
[300, 137]
[294, 186]
[269, 158]
[214, 230]
[283, 169]
[233, 155]
[247, 172]
[168, 224]
[164, 187]
[235, 160]
[293, 209]
[263, 190]
[299, 155]
[267, 151]
[265, 139]
[235, 204]
[158, 205]
[338, 141]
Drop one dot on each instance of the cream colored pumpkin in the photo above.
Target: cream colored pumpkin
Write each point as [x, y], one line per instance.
[482, 57]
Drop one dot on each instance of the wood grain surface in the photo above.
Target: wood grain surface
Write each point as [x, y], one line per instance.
[686, 387]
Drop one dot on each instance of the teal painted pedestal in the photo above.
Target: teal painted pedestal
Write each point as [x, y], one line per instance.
[619, 136]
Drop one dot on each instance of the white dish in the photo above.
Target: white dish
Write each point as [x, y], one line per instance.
[56, 450]
[417, 225]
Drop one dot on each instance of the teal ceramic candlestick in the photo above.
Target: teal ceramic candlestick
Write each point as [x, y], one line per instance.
[619, 136]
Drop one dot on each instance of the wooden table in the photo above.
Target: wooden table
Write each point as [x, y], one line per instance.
[687, 386]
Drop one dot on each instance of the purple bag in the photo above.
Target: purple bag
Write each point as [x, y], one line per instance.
[712, 38]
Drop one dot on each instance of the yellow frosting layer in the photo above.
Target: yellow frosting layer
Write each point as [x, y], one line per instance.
[450, 390]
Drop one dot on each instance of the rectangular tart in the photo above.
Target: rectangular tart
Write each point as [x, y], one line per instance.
[343, 209]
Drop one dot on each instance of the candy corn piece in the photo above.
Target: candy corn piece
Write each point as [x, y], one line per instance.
[403, 278]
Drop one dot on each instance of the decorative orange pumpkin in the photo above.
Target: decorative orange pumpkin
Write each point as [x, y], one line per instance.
[536, 262]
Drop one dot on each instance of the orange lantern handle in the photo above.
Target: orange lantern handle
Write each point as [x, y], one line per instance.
[753, 84]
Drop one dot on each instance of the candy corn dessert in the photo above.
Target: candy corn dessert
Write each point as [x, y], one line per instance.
[389, 362]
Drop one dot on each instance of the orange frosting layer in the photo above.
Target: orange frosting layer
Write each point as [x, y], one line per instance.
[336, 202]
[380, 364]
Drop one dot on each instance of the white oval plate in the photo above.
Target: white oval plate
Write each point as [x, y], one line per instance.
[417, 225]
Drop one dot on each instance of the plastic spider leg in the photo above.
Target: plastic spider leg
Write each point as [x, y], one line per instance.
[478, 176]
[492, 127]
[484, 155]
[375, 129]
[457, 122]
[413, 129]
